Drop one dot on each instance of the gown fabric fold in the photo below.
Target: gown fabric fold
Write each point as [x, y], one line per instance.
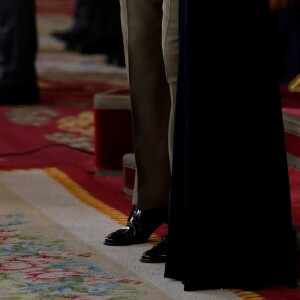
[230, 220]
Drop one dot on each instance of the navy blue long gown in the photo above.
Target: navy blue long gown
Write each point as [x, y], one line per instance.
[230, 214]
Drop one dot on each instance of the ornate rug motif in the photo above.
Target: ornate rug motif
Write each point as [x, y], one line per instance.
[39, 259]
[47, 251]
[32, 264]
[69, 126]
[38, 264]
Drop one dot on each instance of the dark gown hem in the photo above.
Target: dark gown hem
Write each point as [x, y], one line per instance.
[189, 287]
[246, 216]
[174, 276]
[196, 286]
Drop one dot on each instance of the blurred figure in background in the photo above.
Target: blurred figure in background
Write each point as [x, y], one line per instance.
[18, 48]
[96, 29]
[80, 25]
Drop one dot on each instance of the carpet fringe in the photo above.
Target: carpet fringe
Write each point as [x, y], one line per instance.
[245, 295]
[84, 196]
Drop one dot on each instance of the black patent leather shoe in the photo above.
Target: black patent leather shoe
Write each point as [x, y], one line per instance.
[140, 225]
[158, 253]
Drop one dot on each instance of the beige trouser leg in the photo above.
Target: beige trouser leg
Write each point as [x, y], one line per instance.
[151, 51]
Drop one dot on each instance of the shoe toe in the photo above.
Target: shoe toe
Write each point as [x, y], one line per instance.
[153, 257]
[140, 225]
[157, 254]
[120, 237]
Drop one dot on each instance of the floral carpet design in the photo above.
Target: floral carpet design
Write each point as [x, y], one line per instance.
[37, 267]
[35, 116]
[68, 126]
[76, 131]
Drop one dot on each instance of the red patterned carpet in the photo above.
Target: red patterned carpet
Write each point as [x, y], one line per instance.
[59, 132]
[55, 136]
[68, 78]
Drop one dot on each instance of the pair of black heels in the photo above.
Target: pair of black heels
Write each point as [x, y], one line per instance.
[140, 225]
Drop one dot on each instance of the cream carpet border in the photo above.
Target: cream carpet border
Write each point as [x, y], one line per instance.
[85, 197]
